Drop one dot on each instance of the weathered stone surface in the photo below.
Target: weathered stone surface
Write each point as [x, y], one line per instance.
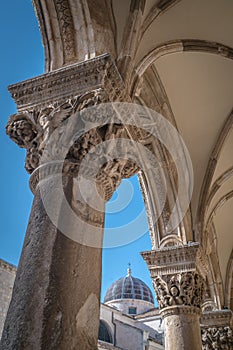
[55, 287]
[182, 330]
[216, 330]
[7, 278]
[219, 338]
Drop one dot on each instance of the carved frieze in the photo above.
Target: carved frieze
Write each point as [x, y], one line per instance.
[66, 28]
[219, 338]
[176, 259]
[63, 84]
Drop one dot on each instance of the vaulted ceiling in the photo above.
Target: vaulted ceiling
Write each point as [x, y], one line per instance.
[189, 44]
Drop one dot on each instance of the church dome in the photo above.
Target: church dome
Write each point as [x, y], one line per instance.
[129, 287]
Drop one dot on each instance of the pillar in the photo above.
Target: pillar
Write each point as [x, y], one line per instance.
[55, 301]
[56, 295]
[178, 278]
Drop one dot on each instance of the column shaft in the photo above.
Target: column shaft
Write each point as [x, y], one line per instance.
[182, 331]
[55, 301]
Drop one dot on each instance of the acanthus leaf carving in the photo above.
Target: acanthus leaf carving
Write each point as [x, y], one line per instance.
[21, 129]
[32, 129]
[186, 289]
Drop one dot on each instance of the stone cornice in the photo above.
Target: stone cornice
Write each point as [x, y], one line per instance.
[108, 346]
[218, 318]
[66, 83]
[176, 259]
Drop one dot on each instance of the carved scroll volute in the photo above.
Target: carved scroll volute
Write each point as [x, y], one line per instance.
[27, 131]
[21, 130]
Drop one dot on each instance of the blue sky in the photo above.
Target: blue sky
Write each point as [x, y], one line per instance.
[22, 58]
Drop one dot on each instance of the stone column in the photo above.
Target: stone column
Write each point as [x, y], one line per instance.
[55, 302]
[178, 278]
[216, 330]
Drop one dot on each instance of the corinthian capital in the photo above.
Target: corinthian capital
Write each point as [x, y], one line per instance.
[178, 275]
[31, 129]
[185, 289]
[45, 102]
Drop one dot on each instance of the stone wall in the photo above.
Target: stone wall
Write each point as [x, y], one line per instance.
[7, 277]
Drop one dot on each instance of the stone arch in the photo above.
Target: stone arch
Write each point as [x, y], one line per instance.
[208, 191]
[105, 332]
[179, 46]
[73, 31]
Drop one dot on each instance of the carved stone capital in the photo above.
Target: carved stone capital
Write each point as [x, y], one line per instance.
[32, 129]
[181, 289]
[178, 275]
[45, 102]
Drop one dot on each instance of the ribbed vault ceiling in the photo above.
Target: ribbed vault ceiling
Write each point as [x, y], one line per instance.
[199, 88]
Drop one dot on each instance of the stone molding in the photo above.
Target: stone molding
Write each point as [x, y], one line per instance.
[66, 83]
[208, 305]
[181, 45]
[176, 259]
[102, 345]
[216, 318]
[177, 310]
